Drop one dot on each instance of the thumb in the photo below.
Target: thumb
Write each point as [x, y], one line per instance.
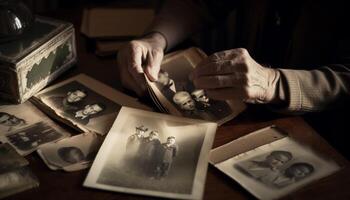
[154, 60]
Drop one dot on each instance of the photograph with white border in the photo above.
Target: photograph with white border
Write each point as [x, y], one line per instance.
[154, 154]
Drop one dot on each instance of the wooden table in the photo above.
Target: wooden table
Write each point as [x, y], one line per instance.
[63, 185]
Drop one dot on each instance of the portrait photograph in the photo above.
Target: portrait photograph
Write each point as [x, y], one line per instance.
[153, 154]
[14, 117]
[177, 93]
[76, 150]
[30, 138]
[278, 168]
[86, 103]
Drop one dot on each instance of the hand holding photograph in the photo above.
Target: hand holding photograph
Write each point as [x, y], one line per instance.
[71, 154]
[84, 103]
[275, 169]
[175, 93]
[153, 154]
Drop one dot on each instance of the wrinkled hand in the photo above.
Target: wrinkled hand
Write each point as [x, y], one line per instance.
[234, 74]
[141, 56]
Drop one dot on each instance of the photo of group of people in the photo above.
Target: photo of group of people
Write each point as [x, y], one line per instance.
[158, 155]
[276, 169]
[79, 104]
[31, 137]
[175, 93]
[148, 156]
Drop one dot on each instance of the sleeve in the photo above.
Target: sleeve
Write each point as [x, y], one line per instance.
[315, 90]
[178, 19]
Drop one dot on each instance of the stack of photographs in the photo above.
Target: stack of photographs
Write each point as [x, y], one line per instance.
[15, 176]
[26, 128]
[154, 154]
[71, 154]
[174, 92]
[269, 164]
[84, 103]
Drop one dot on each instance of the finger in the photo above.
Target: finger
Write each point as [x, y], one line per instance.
[130, 81]
[227, 94]
[154, 61]
[221, 81]
[220, 68]
[134, 61]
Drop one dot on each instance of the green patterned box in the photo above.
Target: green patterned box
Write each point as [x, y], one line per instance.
[41, 54]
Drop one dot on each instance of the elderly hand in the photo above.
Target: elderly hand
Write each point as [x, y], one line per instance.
[234, 74]
[141, 56]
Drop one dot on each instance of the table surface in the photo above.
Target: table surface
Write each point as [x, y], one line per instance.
[64, 185]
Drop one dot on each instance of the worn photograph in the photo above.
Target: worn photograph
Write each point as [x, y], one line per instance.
[29, 138]
[86, 103]
[14, 117]
[10, 159]
[16, 181]
[278, 168]
[81, 105]
[176, 91]
[76, 150]
[153, 154]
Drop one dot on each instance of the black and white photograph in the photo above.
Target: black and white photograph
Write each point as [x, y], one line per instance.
[16, 181]
[176, 91]
[153, 154]
[79, 150]
[10, 159]
[275, 169]
[14, 117]
[28, 139]
[79, 100]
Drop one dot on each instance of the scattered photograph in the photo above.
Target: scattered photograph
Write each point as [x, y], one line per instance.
[14, 117]
[17, 181]
[78, 150]
[29, 138]
[153, 154]
[86, 103]
[10, 159]
[175, 90]
[278, 168]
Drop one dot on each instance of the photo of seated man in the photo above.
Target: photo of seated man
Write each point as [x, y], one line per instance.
[68, 102]
[11, 121]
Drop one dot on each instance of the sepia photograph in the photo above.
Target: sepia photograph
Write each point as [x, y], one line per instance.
[86, 103]
[29, 138]
[176, 91]
[77, 150]
[14, 117]
[10, 159]
[278, 168]
[153, 154]
[16, 181]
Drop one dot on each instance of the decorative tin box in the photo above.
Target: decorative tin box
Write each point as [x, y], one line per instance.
[37, 57]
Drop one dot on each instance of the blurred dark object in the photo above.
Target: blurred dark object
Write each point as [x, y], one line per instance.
[15, 18]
